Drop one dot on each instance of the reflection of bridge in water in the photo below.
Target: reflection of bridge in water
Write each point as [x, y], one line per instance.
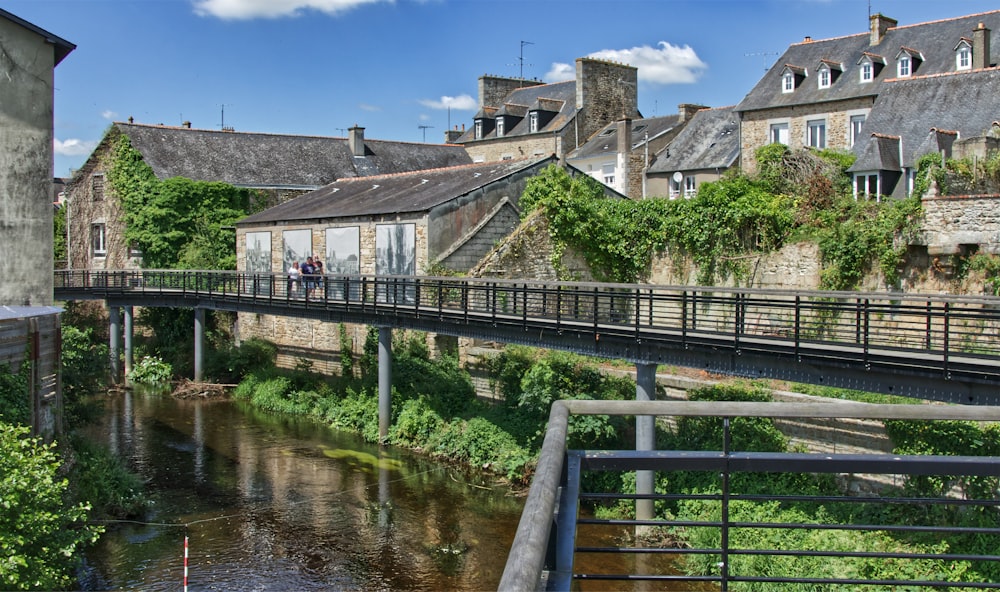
[936, 347]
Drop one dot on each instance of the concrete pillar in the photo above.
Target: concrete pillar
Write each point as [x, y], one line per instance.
[115, 343]
[199, 342]
[384, 381]
[645, 437]
[129, 356]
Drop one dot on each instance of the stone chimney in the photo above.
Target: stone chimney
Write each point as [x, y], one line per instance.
[453, 134]
[356, 140]
[186, 124]
[879, 25]
[687, 110]
[494, 89]
[980, 47]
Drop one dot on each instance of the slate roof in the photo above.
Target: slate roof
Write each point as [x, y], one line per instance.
[711, 140]
[247, 159]
[549, 97]
[605, 141]
[61, 46]
[935, 41]
[413, 192]
[964, 102]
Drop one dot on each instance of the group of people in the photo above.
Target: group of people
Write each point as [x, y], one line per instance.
[309, 276]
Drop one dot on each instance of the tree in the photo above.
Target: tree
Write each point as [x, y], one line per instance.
[39, 533]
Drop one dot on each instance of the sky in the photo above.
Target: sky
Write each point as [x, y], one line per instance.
[406, 70]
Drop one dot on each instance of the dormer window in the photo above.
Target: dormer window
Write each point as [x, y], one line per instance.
[870, 66]
[963, 55]
[791, 78]
[533, 121]
[828, 72]
[500, 126]
[824, 77]
[907, 62]
[479, 129]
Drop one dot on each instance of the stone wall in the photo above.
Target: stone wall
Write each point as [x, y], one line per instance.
[521, 146]
[952, 224]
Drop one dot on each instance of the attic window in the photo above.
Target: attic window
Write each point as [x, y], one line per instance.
[638, 129]
[479, 129]
[533, 121]
[828, 73]
[607, 132]
[792, 77]
[787, 82]
[824, 77]
[907, 62]
[963, 55]
[870, 66]
[500, 126]
[903, 66]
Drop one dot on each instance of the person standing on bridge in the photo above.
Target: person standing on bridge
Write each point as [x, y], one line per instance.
[294, 275]
[308, 269]
[318, 269]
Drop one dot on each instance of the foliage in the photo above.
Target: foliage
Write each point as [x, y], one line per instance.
[84, 363]
[15, 400]
[230, 363]
[849, 394]
[59, 251]
[150, 370]
[100, 477]
[989, 266]
[40, 533]
[346, 351]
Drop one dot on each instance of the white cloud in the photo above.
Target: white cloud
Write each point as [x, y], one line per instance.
[251, 9]
[424, 117]
[663, 64]
[560, 72]
[108, 114]
[369, 108]
[73, 147]
[460, 103]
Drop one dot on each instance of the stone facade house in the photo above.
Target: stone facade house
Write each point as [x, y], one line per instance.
[821, 93]
[520, 118]
[705, 149]
[279, 166]
[620, 152]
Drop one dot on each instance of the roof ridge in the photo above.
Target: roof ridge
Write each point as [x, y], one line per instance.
[943, 74]
[241, 132]
[942, 20]
[435, 170]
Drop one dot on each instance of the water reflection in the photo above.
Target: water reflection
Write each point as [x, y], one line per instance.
[272, 503]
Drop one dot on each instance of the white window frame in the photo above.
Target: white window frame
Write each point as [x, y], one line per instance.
[904, 66]
[533, 121]
[778, 129]
[867, 71]
[788, 82]
[499, 127]
[690, 187]
[855, 123]
[816, 133]
[963, 57]
[479, 129]
[98, 240]
[824, 76]
[608, 174]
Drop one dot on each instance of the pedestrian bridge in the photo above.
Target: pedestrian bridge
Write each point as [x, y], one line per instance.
[936, 347]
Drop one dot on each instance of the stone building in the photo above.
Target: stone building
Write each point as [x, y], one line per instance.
[29, 323]
[279, 166]
[821, 93]
[520, 118]
[705, 149]
[619, 154]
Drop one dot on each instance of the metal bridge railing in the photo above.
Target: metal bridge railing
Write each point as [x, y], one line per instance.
[546, 552]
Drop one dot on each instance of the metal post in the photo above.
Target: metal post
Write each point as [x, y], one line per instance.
[199, 339]
[384, 381]
[129, 358]
[115, 344]
[645, 438]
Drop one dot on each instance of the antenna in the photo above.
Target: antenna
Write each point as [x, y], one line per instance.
[520, 59]
[424, 129]
[342, 130]
[223, 124]
[763, 55]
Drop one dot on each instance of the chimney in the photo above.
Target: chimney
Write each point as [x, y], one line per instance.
[186, 124]
[687, 110]
[980, 47]
[356, 140]
[879, 25]
[453, 134]
[808, 39]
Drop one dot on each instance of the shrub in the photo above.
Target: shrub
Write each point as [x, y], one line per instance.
[150, 370]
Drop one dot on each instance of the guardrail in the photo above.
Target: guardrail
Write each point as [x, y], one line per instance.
[942, 341]
[543, 553]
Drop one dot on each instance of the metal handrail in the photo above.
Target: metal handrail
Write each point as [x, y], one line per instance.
[526, 562]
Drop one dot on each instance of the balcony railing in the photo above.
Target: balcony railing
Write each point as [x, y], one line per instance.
[546, 552]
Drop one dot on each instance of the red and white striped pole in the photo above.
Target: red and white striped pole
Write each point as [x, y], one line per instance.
[185, 563]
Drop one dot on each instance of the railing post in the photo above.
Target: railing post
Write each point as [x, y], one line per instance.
[866, 336]
[645, 439]
[798, 325]
[684, 318]
[929, 325]
[199, 342]
[946, 339]
[384, 381]
[724, 567]
[524, 306]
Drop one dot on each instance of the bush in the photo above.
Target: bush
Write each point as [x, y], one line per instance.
[40, 534]
[15, 400]
[150, 370]
[231, 364]
[100, 478]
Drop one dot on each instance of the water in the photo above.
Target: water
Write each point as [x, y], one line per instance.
[273, 503]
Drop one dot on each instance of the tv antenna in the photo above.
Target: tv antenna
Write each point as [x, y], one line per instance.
[763, 55]
[223, 124]
[424, 129]
[520, 59]
[342, 130]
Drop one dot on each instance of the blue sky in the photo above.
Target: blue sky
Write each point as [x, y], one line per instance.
[317, 67]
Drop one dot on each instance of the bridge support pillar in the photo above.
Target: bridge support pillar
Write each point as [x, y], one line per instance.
[129, 355]
[645, 438]
[199, 343]
[115, 343]
[384, 381]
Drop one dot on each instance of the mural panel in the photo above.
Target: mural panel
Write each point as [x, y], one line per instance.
[396, 254]
[258, 249]
[298, 246]
[343, 257]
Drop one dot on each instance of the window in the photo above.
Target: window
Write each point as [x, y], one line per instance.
[499, 126]
[816, 133]
[97, 186]
[963, 57]
[824, 77]
[98, 240]
[608, 174]
[689, 187]
[903, 66]
[507, 157]
[533, 121]
[779, 133]
[866, 185]
[857, 122]
[788, 82]
[866, 71]
[479, 129]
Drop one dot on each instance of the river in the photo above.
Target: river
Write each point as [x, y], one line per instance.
[276, 503]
